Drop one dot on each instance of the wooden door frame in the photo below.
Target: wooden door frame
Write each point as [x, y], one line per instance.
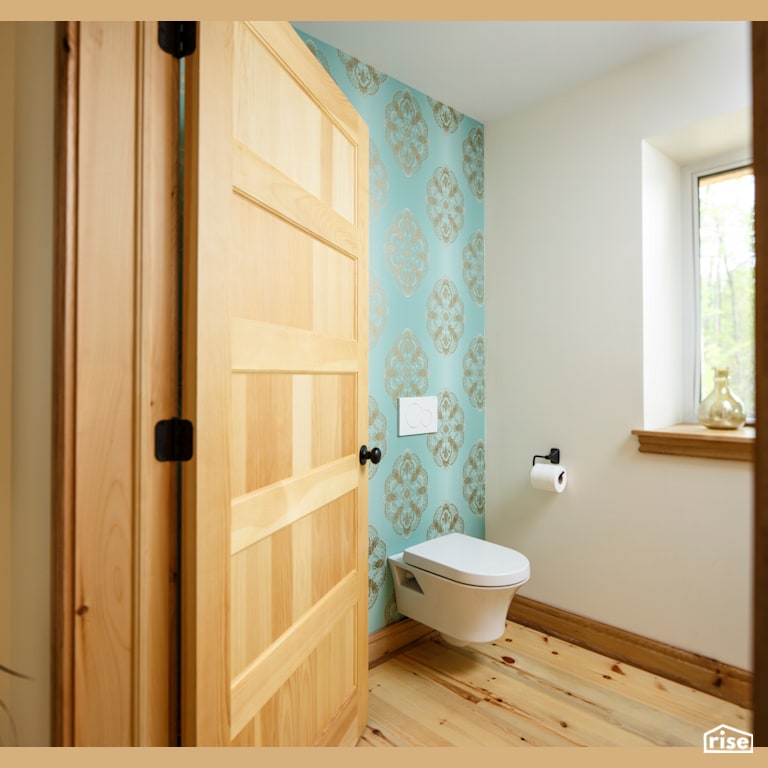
[63, 442]
[147, 391]
[760, 552]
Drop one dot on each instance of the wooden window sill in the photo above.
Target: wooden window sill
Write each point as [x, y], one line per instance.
[696, 440]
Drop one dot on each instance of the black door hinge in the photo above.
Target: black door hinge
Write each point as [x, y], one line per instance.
[179, 38]
[173, 440]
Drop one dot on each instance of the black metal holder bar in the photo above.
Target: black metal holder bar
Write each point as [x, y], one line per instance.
[553, 456]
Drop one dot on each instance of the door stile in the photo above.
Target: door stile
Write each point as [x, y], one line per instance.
[155, 533]
[206, 401]
[362, 214]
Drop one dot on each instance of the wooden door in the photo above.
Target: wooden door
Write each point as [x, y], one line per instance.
[274, 520]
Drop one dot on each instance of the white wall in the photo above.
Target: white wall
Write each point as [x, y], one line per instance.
[664, 358]
[657, 545]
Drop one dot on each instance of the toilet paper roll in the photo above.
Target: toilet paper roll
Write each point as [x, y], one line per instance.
[549, 477]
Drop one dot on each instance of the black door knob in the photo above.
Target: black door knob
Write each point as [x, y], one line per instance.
[374, 455]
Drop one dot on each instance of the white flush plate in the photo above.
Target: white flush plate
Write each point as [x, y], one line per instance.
[416, 415]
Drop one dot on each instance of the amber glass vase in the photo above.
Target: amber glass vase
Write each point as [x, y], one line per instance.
[721, 409]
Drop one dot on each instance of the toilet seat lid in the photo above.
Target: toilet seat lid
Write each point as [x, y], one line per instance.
[469, 561]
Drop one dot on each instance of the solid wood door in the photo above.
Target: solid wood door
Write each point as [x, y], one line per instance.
[274, 520]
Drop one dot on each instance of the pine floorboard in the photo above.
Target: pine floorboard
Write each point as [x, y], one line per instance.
[530, 689]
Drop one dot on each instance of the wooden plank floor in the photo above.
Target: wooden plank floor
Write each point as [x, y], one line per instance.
[528, 689]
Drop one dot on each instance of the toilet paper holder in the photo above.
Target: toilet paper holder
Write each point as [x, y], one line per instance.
[553, 456]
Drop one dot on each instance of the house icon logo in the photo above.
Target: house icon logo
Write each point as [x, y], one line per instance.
[724, 739]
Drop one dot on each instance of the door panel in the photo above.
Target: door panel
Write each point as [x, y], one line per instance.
[275, 500]
[300, 128]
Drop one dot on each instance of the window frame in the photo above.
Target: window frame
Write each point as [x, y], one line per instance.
[692, 362]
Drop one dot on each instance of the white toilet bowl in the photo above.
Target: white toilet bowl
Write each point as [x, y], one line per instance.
[458, 585]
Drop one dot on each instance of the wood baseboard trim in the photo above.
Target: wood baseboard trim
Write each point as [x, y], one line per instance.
[699, 672]
[394, 639]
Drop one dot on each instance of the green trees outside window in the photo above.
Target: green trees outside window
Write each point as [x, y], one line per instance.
[726, 240]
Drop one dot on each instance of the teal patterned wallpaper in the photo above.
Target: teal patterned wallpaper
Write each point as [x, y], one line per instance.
[426, 315]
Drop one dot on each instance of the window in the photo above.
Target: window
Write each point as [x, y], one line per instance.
[724, 274]
[692, 264]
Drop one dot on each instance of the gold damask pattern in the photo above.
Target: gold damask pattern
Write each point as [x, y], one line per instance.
[444, 445]
[406, 252]
[474, 161]
[377, 565]
[391, 614]
[426, 287]
[378, 311]
[474, 479]
[363, 77]
[379, 180]
[445, 520]
[447, 118]
[406, 494]
[474, 373]
[319, 55]
[406, 367]
[445, 316]
[474, 267]
[406, 132]
[445, 204]
[377, 432]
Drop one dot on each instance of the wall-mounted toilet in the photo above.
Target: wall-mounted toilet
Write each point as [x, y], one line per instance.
[458, 585]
